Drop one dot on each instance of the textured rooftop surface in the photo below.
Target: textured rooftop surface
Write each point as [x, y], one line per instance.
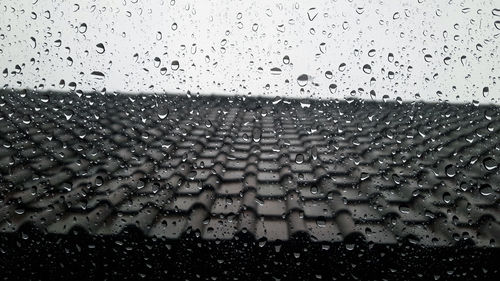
[216, 167]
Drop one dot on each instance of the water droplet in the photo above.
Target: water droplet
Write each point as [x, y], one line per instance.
[299, 158]
[490, 164]
[275, 71]
[100, 48]
[390, 57]
[99, 181]
[371, 52]
[175, 65]
[156, 62]
[486, 91]
[446, 197]
[262, 242]
[82, 28]
[68, 113]
[312, 13]
[256, 134]
[286, 59]
[140, 184]
[404, 209]
[162, 112]
[367, 69]
[97, 74]
[486, 190]
[450, 170]
[321, 222]
[174, 26]
[302, 80]
[26, 119]
[350, 246]
[328, 74]
[332, 88]
[322, 48]
[33, 42]
[342, 67]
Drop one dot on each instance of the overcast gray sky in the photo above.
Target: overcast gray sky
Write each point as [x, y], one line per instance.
[429, 51]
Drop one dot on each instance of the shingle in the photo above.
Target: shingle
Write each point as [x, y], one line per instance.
[295, 171]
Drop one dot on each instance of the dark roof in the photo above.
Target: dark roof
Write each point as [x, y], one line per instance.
[217, 167]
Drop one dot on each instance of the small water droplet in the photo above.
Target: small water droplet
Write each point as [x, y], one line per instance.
[450, 170]
[275, 71]
[302, 80]
[100, 48]
[82, 28]
[490, 164]
[367, 69]
[175, 65]
[312, 13]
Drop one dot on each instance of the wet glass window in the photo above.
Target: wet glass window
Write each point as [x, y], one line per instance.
[249, 140]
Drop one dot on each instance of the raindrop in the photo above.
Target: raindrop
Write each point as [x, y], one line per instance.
[404, 209]
[299, 158]
[321, 222]
[162, 112]
[332, 88]
[26, 119]
[99, 181]
[157, 62]
[312, 13]
[486, 91]
[486, 190]
[371, 52]
[350, 246]
[82, 28]
[342, 67]
[328, 74]
[255, 27]
[322, 48]
[490, 164]
[427, 58]
[450, 170]
[33, 42]
[256, 134]
[100, 48]
[286, 59]
[175, 65]
[446, 197]
[98, 74]
[497, 24]
[275, 71]
[262, 242]
[390, 57]
[302, 80]
[174, 26]
[68, 113]
[367, 69]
